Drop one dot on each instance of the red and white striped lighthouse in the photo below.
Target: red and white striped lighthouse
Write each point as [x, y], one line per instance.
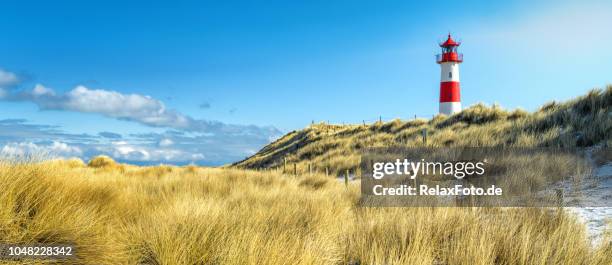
[449, 60]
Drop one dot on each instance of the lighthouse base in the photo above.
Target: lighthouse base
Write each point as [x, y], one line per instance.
[450, 108]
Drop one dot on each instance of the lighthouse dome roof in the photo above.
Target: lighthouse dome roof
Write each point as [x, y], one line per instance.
[450, 42]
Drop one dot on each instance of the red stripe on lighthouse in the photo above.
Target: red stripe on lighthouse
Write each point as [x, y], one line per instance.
[449, 92]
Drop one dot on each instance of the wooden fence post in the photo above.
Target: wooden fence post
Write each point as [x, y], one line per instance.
[424, 134]
[326, 171]
[559, 197]
[346, 177]
[309, 168]
[295, 169]
[284, 165]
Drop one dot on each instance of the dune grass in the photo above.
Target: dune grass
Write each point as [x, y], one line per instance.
[581, 122]
[122, 214]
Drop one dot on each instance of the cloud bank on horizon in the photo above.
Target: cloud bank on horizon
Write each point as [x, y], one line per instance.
[186, 139]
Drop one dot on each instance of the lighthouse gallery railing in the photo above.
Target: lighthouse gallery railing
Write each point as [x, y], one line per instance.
[449, 57]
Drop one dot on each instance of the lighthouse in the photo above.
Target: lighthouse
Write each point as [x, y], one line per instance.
[449, 60]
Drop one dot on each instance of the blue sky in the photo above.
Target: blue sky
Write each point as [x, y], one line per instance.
[213, 81]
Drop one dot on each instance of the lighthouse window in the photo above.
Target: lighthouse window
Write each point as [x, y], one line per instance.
[450, 74]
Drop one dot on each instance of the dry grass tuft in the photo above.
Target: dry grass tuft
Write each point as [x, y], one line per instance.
[476, 115]
[101, 161]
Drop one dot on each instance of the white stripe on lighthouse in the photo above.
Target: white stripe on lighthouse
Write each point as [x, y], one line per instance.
[449, 108]
[450, 72]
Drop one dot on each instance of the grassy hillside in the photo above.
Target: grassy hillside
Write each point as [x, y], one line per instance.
[122, 214]
[584, 121]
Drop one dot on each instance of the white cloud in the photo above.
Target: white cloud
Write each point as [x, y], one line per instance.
[142, 153]
[197, 156]
[40, 90]
[8, 79]
[132, 107]
[123, 150]
[64, 149]
[165, 142]
[53, 150]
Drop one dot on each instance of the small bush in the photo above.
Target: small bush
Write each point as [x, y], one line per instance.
[518, 114]
[392, 126]
[477, 114]
[101, 162]
[74, 162]
[549, 106]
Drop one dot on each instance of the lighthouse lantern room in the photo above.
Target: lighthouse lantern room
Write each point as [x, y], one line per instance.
[449, 60]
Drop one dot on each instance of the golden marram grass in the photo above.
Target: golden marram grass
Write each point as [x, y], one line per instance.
[121, 214]
[191, 215]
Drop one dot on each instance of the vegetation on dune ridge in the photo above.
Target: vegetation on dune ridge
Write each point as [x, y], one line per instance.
[584, 121]
[123, 214]
[193, 215]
